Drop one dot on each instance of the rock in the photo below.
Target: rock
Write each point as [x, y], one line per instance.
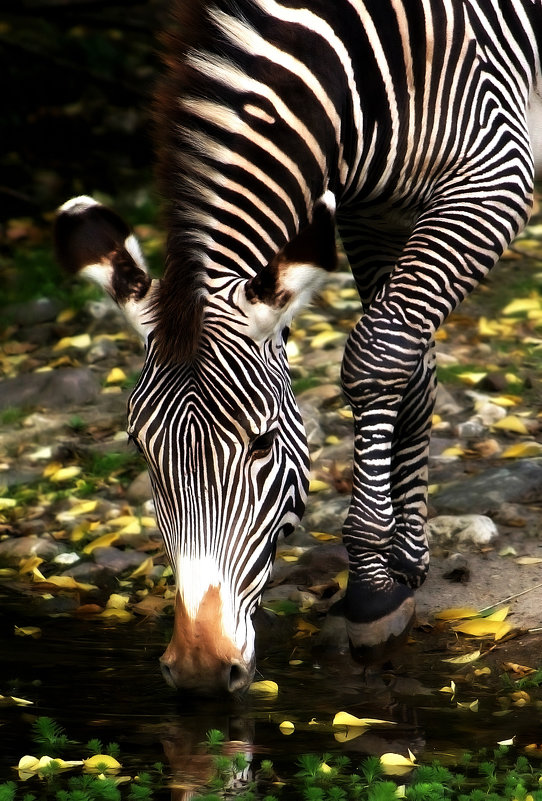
[519, 482]
[118, 561]
[14, 549]
[72, 385]
[34, 312]
[445, 403]
[140, 489]
[326, 515]
[91, 573]
[455, 568]
[470, 428]
[474, 529]
[103, 349]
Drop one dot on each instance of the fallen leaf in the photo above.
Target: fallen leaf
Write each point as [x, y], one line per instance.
[7, 503]
[265, 687]
[120, 615]
[315, 485]
[511, 423]
[464, 659]
[101, 763]
[81, 342]
[481, 627]
[523, 450]
[69, 583]
[287, 727]
[144, 568]
[322, 536]
[529, 560]
[346, 719]
[457, 613]
[65, 474]
[472, 706]
[115, 376]
[101, 542]
[13, 700]
[325, 338]
[350, 733]
[396, 764]
[28, 631]
[521, 305]
[499, 614]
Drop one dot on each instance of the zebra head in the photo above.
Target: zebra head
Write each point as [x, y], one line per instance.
[223, 440]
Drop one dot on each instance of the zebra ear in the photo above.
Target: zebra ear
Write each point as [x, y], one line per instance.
[290, 280]
[94, 241]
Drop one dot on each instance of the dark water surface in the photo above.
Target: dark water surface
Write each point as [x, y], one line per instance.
[104, 681]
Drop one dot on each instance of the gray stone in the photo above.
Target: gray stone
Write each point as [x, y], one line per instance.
[118, 561]
[91, 573]
[51, 389]
[33, 312]
[326, 515]
[475, 529]
[445, 403]
[103, 349]
[520, 482]
[14, 549]
[140, 489]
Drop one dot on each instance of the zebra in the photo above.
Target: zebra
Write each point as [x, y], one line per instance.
[406, 125]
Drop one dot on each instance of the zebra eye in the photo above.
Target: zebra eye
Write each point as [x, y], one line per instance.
[261, 445]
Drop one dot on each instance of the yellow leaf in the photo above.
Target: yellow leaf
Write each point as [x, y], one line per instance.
[101, 542]
[66, 474]
[511, 741]
[506, 400]
[315, 485]
[323, 537]
[325, 338]
[148, 522]
[295, 662]
[66, 315]
[81, 342]
[528, 560]
[521, 305]
[454, 450]
[457, 613]
[481, 627]
[28, 631]
[288, 557]
[523, 450]
[287, 727]
[511, 423]
[115, 376]
[341, 579]
[485, 671]
[436, 419]
[464, 659]
[350, 733]
[120, 615]
[117, 601]
[266, 687]
[347, 414]
[51, 468]
[101, 763]
[324, 768]
[28, 763]
[472, 706]
[472, 378]
[12, 700]
[144, 568]
[500, 614]
[83, 508]
[396, 764]
[30, 565]
[69, 583]
[346, 719]
[7, 503]
[450, 689]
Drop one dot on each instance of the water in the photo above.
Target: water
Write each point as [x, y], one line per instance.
[104, 681]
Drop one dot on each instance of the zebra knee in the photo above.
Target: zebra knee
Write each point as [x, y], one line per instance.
[377, 621]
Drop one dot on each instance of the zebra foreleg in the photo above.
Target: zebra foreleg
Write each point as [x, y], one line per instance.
[409, 553]
[380, 361]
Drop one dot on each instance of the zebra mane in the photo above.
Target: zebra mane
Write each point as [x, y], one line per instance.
[180, 303]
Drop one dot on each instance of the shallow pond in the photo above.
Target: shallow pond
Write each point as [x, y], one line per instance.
[104, 681]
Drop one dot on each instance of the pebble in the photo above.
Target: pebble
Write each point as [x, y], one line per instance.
[520, 482]
[15, 549]
[472, 529]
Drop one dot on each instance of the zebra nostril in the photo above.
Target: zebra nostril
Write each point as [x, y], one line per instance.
[237, 678]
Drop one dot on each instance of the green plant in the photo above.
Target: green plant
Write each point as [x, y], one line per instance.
[50, 736]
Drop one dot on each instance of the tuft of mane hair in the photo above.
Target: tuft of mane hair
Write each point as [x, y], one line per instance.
[180, 303]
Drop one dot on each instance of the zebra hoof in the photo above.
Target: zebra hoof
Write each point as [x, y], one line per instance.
[378, 623]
